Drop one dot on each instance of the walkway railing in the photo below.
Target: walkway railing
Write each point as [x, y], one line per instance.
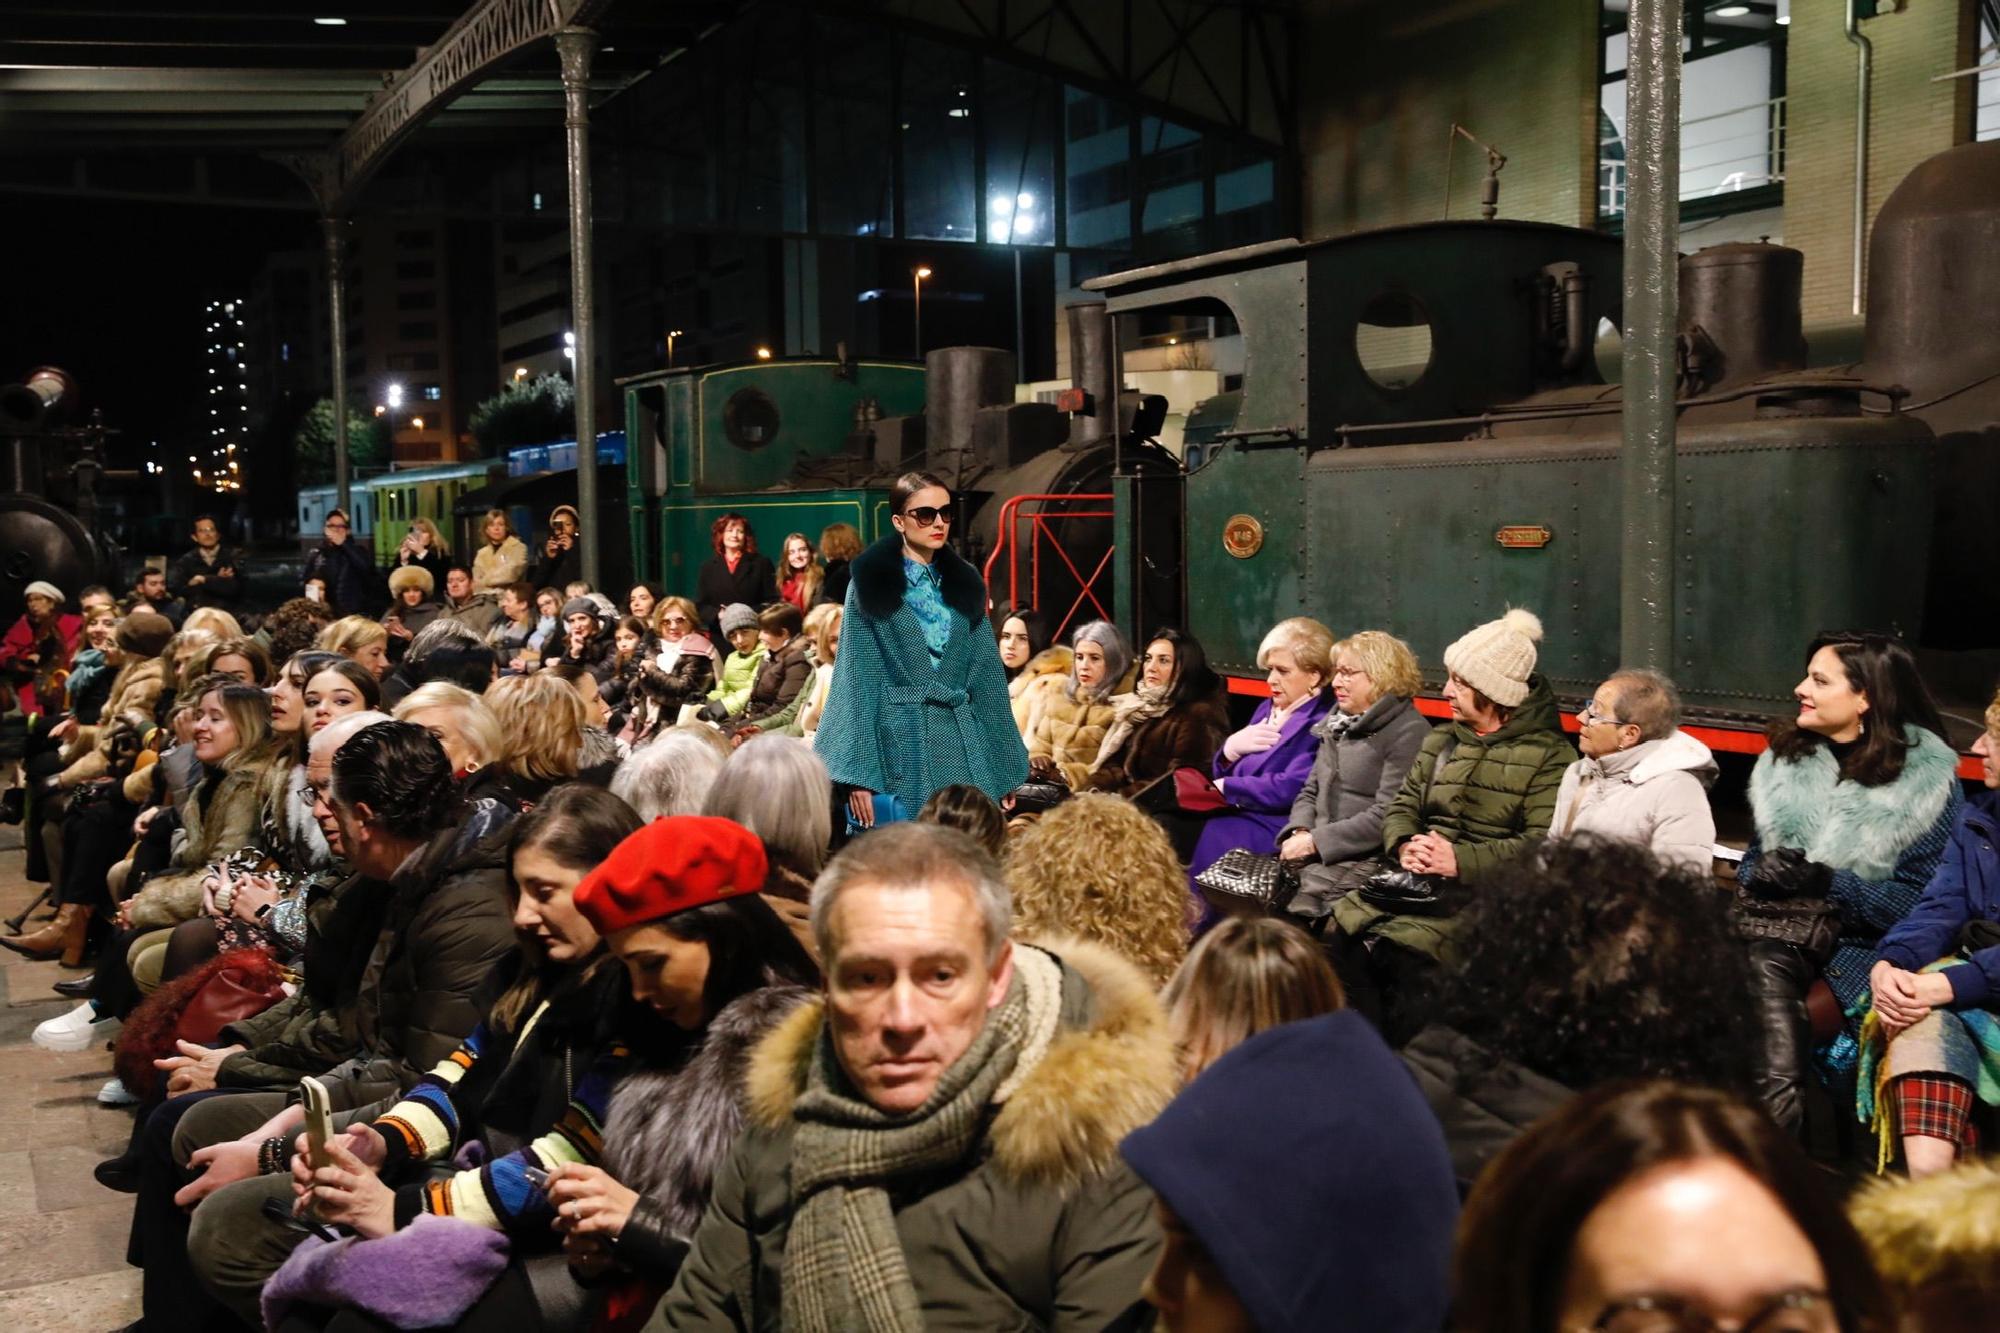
[1741, 148]
[1007, 544]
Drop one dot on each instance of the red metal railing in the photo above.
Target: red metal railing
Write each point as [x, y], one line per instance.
[1007, 542]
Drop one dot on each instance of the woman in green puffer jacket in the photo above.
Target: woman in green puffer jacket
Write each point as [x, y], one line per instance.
[1481, 792]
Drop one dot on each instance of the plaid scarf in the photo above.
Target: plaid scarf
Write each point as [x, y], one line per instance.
[844, 1269]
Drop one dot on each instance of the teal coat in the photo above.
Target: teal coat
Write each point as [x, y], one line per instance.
[895, 724]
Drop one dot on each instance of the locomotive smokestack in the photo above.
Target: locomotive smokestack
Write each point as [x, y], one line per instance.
[37, 400]
[1090, 369]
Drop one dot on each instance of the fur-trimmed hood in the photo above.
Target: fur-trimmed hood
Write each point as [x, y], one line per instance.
[1803, 803]
[1109, 1070]
[1940, 1229]
[878, 580]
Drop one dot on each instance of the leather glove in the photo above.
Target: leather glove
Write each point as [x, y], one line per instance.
[1784, 873]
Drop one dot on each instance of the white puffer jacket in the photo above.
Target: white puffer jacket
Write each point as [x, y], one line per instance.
[1655, 793]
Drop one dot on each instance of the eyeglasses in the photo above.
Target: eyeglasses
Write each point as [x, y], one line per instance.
[673, 620]
[1793, 1312]
[925, 515]
[1347, 673]
[1590, 716]
[310, 794]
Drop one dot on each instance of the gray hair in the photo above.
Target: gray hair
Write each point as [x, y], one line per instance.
[911, 855]
[1647, 700]
[338, 732]
[776, 787]
[672, 774]
[1117, 655]
[439, 632]
[475, 720]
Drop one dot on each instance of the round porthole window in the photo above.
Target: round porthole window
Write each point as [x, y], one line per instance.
[1393, 340]
[750, 419]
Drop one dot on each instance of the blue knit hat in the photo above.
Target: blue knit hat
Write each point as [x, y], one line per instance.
[1308, 1165]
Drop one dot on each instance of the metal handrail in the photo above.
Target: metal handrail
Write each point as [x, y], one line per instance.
[1006, 535]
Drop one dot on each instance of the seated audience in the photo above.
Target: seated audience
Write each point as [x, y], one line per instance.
[1248, 975]
[239, 658]
[444, 650]
[1366, 746]
[1853, 804]
[1036, 670]
[776, 787]
[1262, 768]
[1655, 1205]
[731, 694]
[587, 642]
[1096, 868]
[460, 721]
[544, 719]
[1935, 988]
[1351, 1235]
[1070, 727]
[1480, 793]
[1936, 1242]
[634, 647]
[294, 627]
[780, 688]
[1585, 962]
[641, 602]
[337, 688]
[873, 1132]
[413, 605]
[1641, 777]
[357, 637]
[510, 633]
[548, 633]
[672, 773]
[476, 610]
[601, 752]
[215, 620]
[970, 811]
[1175, 718]
[37, 649]
[823, 638]
[684, 669]
[90, 674]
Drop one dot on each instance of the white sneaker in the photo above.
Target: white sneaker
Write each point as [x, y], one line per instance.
[78, 1030]
[115, 1093]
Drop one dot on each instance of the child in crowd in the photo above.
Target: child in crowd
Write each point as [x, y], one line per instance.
[731, 694]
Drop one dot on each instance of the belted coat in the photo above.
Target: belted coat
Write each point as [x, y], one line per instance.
[894, 722]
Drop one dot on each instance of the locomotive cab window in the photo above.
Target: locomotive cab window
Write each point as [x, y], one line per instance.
[1392, 341]
[750, 419]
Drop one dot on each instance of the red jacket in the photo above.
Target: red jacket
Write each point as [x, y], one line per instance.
[26, 677]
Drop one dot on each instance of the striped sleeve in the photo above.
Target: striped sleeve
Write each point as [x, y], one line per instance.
[424, 1125]
[499, 1194]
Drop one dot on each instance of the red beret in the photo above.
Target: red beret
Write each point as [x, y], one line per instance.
[674, 864]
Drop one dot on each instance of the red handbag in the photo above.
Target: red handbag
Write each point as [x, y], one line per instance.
[1184, 791]
[195, 1007]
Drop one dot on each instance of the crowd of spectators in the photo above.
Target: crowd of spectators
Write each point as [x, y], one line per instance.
[819, 948]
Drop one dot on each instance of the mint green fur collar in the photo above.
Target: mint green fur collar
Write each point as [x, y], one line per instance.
[1802, 803]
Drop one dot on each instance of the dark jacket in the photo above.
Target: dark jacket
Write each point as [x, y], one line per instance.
[1006, 1241]
[349, 572]
[223, 592]
[1351, 1235]
[447, 923]
[1965, 888]
[833, 589]
[560, 570]
[692, 677]
[896, 723]
[1355, 776]
[415, 617]
[754, 582]
[1483, 1101]
[314, 1028]
[780, 680]
[599, 656]
[1186, 736]
[432, 562]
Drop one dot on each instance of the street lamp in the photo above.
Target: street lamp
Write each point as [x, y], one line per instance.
[917, 305]
[671, 335]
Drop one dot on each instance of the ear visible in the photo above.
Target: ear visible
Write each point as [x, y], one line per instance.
[1003, 976]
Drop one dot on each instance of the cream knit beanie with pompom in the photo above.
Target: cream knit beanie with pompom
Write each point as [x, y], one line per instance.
[1498, 657]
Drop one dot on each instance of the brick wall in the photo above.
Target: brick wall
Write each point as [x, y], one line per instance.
[1383, 82]
[1910, 119]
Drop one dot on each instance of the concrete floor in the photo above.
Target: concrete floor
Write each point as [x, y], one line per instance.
[62, 1235]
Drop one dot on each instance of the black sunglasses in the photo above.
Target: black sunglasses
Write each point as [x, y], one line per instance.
[925, 515]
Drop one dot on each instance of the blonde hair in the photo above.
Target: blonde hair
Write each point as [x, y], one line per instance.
[1310, 642]
[1243, 977]
[680, 604]
[1387, 660]
[215, 620]
[474, 719]
[506, 523]
[430, 529]
[1993, 714]
[1098, 867]
[823, 628]
[350, 634]
[544, 714]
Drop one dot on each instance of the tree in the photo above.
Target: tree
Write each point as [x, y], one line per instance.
[539, 411]
[312, 443]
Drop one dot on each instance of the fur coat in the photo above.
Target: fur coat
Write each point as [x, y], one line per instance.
[1186, 736]
[136, 689]
[1044, 1226]
[1030, 691]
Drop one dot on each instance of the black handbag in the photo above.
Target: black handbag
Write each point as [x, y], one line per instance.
[1401, 892]
[1242, 883]
[1785, 902]
[1034, 798]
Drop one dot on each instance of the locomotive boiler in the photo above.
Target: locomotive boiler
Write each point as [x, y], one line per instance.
[48, 527]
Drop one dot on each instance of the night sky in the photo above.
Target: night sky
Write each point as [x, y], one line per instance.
[113, 292]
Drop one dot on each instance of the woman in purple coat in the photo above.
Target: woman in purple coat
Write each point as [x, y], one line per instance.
[1262, 767]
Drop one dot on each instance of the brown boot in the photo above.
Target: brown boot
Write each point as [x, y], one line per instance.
[50, 940]
[76, 938]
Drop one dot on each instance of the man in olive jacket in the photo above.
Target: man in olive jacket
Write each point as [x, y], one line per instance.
[934, 1145]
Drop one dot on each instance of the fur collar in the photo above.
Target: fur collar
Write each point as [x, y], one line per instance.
[1934, 1230]
[1099, 1080]
[1803, 804]
[878, 579]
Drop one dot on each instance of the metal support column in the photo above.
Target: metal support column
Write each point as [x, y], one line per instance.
[336, 293]
[1652, 298]
[575, 46]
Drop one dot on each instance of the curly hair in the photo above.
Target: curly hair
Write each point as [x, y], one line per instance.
[1589, 960]
[716, 528]
[295, 626]
[1097, 867]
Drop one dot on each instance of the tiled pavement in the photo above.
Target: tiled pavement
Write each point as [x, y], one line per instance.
[62, 1235]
